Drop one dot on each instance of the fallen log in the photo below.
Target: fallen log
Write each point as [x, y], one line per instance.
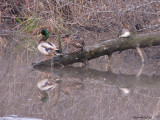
[104, 48]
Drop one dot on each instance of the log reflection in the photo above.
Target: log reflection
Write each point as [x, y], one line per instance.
[108, 78]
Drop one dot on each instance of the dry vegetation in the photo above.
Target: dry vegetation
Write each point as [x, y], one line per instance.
[95, 20]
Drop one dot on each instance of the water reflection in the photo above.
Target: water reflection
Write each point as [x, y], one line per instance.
[105, 77]
[14, 117]
[125, 90]
[44, 85]
[76, 81]
[77, 93]
[73, 88]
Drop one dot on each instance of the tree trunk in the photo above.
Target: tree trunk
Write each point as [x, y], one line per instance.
[104, 48]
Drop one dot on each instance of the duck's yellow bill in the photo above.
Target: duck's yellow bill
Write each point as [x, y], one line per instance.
[39, 35]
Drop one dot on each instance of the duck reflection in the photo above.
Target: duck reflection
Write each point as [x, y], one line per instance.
[45, 85]
[73, 88]
[125, 91]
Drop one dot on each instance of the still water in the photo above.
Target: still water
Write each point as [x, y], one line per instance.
[79, 93]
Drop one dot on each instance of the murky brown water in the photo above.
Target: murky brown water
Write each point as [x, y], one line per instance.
[80, 93]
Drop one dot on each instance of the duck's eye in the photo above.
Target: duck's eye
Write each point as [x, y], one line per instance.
[76, 37]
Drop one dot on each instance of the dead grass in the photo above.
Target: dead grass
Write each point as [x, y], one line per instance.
[94, 20]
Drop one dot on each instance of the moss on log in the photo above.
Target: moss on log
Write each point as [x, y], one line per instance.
[104, 48]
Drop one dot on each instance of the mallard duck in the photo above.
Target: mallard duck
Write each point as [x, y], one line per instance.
[47, 48]
[124, 32]
[74, 41]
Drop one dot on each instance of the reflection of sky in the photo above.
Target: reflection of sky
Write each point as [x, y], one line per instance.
[14, 117]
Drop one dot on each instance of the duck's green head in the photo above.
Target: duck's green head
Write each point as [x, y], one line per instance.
[45, 33]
